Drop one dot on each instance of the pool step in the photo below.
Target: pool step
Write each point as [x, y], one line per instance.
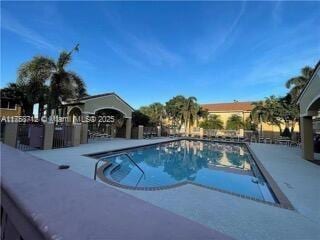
[125, 173]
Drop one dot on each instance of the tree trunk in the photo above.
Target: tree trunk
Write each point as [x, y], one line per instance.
[293, 126]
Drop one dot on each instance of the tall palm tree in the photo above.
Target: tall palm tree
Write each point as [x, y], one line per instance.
[297, 84]
[189, 112]
[65, 84]
[48, 81]
[32, 78]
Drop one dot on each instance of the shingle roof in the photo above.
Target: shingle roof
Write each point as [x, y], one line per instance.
[95, 96]
[76, 101]
[222, 107]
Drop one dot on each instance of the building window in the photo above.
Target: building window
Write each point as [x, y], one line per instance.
[8, 104]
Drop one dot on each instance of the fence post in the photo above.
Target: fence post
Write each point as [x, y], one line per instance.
[201, 132]
[84, 133]
[76, 132]
[128, 128]
[241, 132]
[140, 132]
[48, 135]
[10, 134]
[159, 131]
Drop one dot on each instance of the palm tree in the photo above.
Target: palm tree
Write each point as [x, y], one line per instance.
[297, 84]
[155, 111]
[234, 122]
[268, 111]
[47, 81]
[189, 113]
[65, 84]
[32, 78]
[212, 122]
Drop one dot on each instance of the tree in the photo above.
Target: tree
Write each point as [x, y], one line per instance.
[189, 113]
[250, 124]
[138, 118]
[290, 112]
[19, 94]
[47, 81]
[174, 109]
[155, 111]
[234, 122]
[32, 77]
[268, 111]
[65, 84]
[181, 110]
[297, 84]
[212, 122]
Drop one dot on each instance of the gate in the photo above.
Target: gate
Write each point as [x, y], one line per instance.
[29, 136]
[62, 136]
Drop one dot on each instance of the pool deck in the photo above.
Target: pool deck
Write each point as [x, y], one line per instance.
[237, 217]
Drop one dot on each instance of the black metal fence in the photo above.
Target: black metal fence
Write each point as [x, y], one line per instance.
[62, 136]
[149, 132]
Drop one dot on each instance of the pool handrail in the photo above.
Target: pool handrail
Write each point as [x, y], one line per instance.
[114, 155]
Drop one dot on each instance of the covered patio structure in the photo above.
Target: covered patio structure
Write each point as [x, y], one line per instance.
[309, 102]
[112, 114]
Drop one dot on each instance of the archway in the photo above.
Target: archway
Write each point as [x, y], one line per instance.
[75, 115]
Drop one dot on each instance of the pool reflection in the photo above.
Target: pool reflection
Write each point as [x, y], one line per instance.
[224, 166]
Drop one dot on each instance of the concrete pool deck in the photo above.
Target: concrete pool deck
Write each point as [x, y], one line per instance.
[237, 217]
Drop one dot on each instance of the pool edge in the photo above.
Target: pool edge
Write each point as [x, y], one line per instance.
[283, 201]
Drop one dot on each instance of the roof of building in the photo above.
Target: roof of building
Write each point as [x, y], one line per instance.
[96, 96]
[77, 101]
[316, 69]
[223, 107]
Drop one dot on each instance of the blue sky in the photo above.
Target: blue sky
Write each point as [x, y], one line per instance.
[151, 51]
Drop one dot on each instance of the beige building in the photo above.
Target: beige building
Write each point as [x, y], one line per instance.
[9, 108]
[112, 115]
[226, 110]
[242, 109]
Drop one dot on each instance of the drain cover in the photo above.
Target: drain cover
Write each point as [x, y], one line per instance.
[63, 166]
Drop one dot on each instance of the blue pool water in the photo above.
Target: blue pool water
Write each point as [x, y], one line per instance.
[225, 166]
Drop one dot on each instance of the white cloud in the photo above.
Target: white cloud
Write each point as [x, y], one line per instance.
[138, 50]
[11, 24]
[206, 48]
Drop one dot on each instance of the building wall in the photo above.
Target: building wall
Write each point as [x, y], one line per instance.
[6, 112]
[92, 105]
[224, 116]
[112, 102]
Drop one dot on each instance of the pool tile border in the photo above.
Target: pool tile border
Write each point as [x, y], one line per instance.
[282, 199]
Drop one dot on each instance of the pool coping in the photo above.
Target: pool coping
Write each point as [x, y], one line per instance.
[275, 190]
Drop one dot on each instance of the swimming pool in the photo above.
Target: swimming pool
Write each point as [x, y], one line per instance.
[228, 167]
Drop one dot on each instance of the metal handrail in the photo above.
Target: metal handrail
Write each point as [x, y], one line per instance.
[114, 155]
